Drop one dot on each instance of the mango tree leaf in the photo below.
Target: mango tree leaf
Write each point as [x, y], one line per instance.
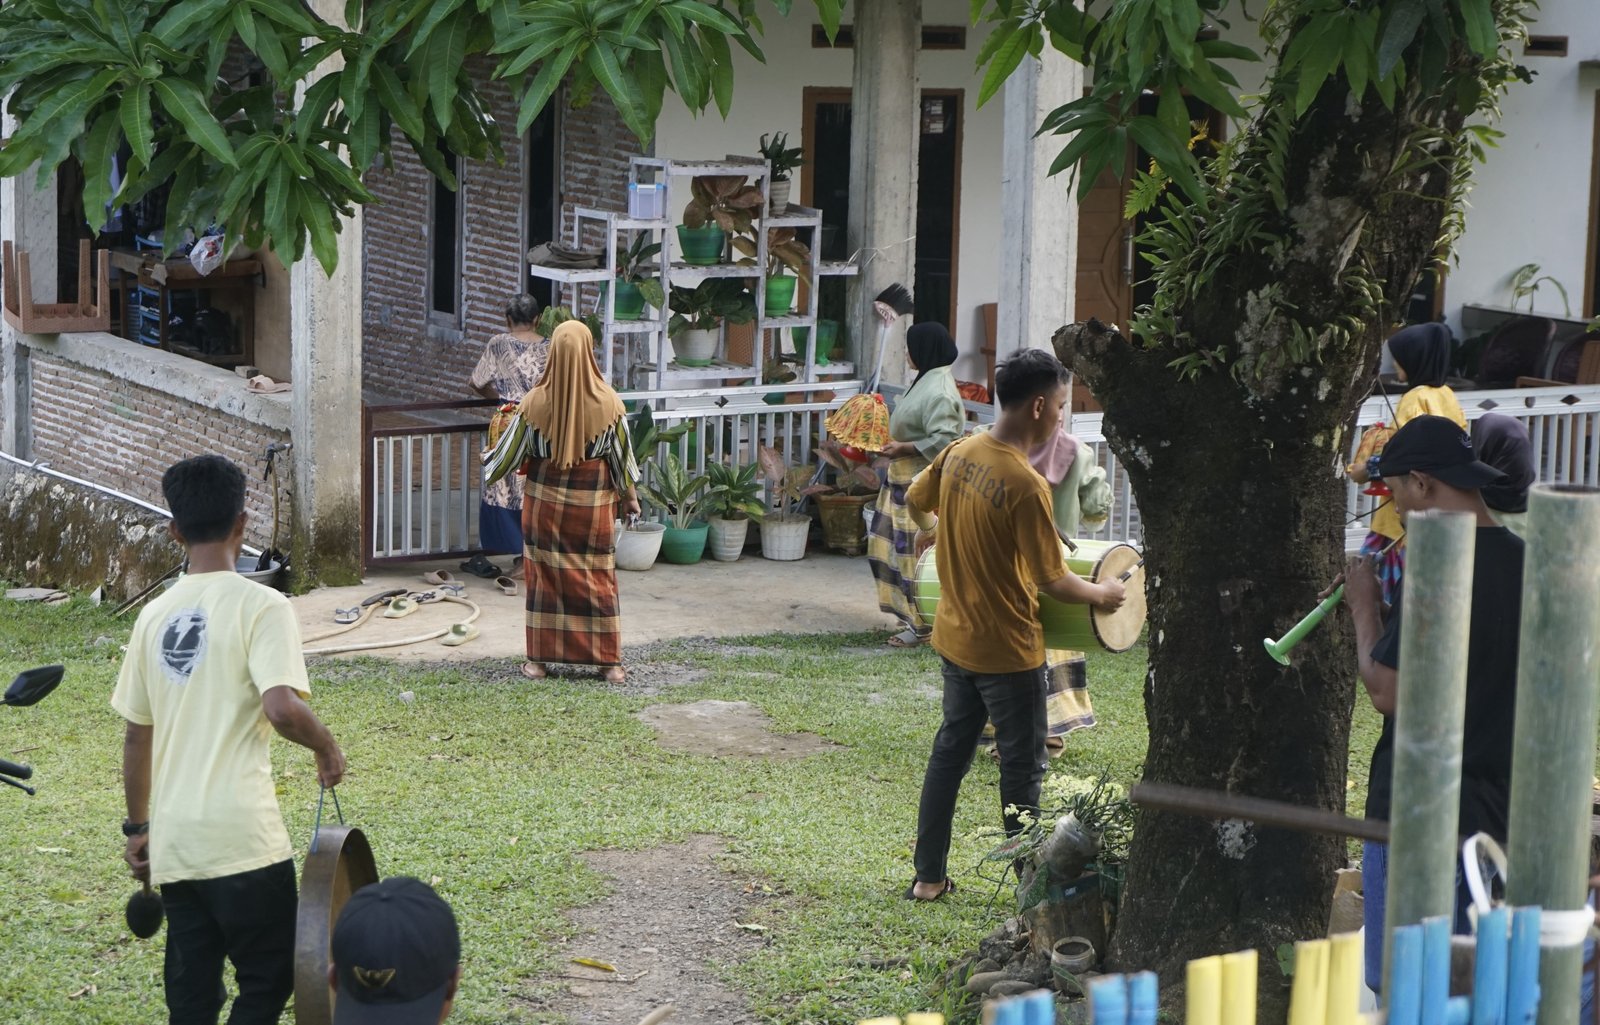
[1007, 56]
[181, 99]
[99, 150]
[387, 88]
[544, 86]
[184, 18]
[721, 71]
[1402, 19]
[1478, 19]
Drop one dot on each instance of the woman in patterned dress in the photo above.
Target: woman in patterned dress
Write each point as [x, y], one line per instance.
[512, 363]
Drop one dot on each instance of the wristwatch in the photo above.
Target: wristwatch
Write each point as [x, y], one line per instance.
[134, 828]
[1372, 468]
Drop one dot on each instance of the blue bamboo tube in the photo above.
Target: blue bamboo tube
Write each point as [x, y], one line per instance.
[1458, 1011]
[1552, 761]
[1039, 1008]
[1143, 999]
[1522, 973]
[1435, 969]
[1203, 992]
[1429, 710]
[1405, 982]
[1344, 979]
[1239, 988]
[1489, 971]
[1108, 1001]
[1308, 1000]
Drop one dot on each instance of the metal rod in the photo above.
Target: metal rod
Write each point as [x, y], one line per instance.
[1215, 804]
[1553, 754]
[1429, 709]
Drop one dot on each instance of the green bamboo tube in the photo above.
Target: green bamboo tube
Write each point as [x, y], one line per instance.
[1553, 760]
[1429, 711]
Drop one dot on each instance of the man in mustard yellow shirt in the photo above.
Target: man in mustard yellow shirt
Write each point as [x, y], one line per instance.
[997, 550]
[213, 667]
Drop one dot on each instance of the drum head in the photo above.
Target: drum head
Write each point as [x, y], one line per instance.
[341, 864]
[1119, 630]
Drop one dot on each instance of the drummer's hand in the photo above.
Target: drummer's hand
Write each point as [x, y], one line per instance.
[1362, 592]
[136, 852]
[1112, 595]
[896, 449]
[923, 541]
[330, 765]
[1331, 587]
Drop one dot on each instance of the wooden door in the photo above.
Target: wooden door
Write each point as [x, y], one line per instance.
[1104, 290]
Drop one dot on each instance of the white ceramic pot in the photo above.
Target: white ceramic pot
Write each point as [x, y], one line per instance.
[783, 537]
[727, 538]
[638, 545]
[778, 196]
[695, 347]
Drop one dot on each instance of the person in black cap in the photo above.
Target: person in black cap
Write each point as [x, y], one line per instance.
[396, 956]
[1429, 465]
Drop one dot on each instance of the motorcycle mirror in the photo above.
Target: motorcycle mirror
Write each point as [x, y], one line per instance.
[31, 685]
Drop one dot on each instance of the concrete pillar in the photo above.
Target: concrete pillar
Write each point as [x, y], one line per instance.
[885, 127]
[1039, 215]
[325, 404]
[27, 218]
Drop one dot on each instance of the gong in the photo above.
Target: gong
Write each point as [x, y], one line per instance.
[340, 863]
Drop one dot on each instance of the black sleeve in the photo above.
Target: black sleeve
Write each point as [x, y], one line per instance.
[1387, 651]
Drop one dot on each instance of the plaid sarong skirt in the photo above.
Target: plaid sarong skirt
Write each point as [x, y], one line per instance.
[569, 564]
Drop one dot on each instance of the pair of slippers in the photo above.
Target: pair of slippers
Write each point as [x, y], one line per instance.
[478, 566]
[911, 891]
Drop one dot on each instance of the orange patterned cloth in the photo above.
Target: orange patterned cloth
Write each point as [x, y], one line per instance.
[1372, 442]
[972, 391]
[863, 422]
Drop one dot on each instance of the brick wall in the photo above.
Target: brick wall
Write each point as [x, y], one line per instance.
[401, 363]
[137, 433]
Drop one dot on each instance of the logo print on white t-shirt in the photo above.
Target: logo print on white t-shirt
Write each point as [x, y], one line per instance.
[183, 644]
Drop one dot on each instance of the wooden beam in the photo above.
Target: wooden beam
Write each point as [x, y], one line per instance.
[1216, 804]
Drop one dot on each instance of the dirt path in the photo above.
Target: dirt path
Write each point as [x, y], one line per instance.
[669, 923]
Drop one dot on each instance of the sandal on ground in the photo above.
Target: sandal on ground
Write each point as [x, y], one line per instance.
[506, 585]
[460, 633]
[911, 891]
[425, 597]
[344, 617]
[452, 589]
[438, 576]
[907, 638]
[400, 607]
[614, 674]
[533, 670]
[478, 566]
[382, 597]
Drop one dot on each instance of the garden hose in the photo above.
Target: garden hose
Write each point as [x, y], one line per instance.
[376, 645]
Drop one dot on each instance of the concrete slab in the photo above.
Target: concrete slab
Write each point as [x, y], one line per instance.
[822, 593]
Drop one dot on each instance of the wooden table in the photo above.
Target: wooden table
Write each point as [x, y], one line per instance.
[179, 275]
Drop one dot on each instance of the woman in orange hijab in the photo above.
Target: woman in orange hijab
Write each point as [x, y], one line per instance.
[570, 438]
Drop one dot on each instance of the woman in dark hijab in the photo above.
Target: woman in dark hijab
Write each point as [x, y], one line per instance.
[926, 418]
[1502, 442]
[1422, 353]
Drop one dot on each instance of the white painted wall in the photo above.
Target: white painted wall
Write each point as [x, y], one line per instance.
[769, 98]
[1530, 199]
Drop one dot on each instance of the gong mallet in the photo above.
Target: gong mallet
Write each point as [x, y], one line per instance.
[1279, 649]
[145, 912]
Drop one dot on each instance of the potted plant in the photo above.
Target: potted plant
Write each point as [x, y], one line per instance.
[675, 492]
[635, 287]
[698, 312]
[639, 541]
[552, 317]
[782, 160]
[720, 205]
[784, 251]
[840, 504]
[784, 530]
[732, 499]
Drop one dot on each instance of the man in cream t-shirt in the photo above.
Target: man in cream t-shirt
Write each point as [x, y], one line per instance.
[213, 668]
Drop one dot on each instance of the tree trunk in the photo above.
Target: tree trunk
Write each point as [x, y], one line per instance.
[1238, 473]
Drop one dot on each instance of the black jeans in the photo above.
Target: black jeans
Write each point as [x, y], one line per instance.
[1015, 703]
[247, 918]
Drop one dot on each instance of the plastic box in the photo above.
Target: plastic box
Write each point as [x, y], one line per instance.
[645, 202]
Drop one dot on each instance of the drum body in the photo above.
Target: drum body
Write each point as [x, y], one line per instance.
[340, 865]
[1074, 627]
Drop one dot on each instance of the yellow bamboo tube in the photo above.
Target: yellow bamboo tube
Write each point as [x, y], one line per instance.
[1239, 988]
[1203, 994]
[1345, 964]
[1308, 1001]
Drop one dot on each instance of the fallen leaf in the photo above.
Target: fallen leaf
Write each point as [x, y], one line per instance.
[751, 927]
[435, 880]
[590, 962]
[511, 841]
[51, 850]
[87, 991]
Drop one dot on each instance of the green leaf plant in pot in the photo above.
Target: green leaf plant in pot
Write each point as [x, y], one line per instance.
[698, 313]
[840, 504]
[784, 252]
[783, 159]
[784, 530]
[679, 495]
[732, 500]
[552, 317]
[719, 205]
[639, 541]
[635, 285]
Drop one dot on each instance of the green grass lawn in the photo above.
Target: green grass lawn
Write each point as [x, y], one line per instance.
[495, 785]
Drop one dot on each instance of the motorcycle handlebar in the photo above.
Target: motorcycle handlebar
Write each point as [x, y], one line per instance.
[15, 770]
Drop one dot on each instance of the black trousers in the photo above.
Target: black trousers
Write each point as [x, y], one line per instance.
[1015, 702]
[247, 918]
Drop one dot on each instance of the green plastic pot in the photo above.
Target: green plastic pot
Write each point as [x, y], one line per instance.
[684, 546]
[629, 301]
[827, 333]
[702, 246]
[780, 294]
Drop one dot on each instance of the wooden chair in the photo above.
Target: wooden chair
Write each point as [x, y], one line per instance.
[1517, 350]
[1578, 363]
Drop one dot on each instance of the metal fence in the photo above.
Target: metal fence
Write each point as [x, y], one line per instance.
[423, 476]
